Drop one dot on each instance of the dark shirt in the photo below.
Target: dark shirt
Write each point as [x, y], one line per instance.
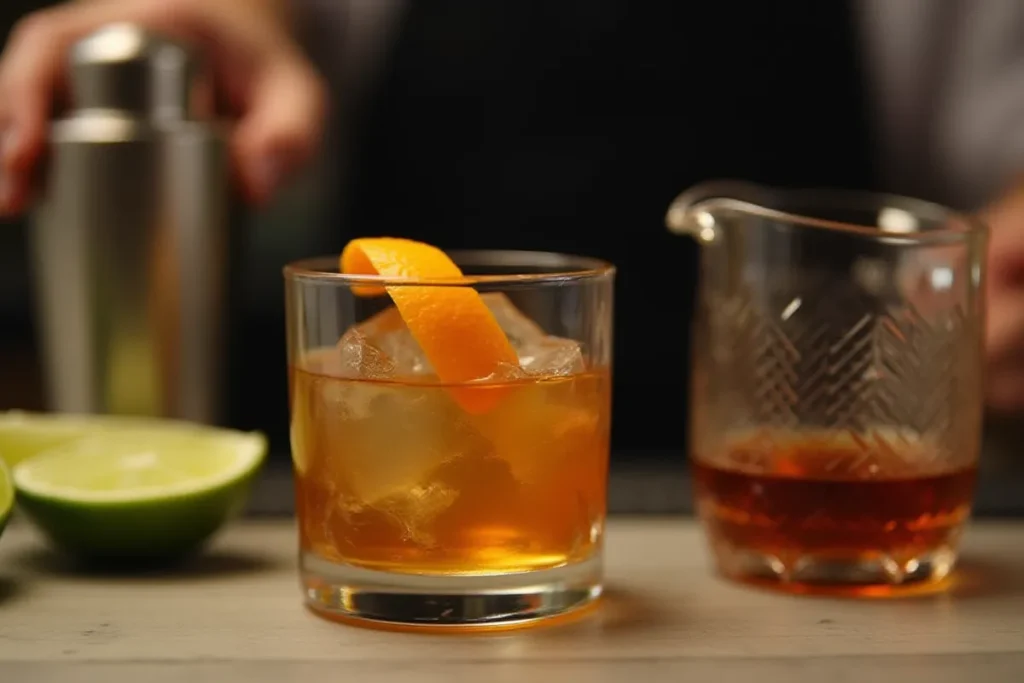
[570, 125]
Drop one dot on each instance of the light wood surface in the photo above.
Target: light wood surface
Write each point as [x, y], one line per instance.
[236, 616]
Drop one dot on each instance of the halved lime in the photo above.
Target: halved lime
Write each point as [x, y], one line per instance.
[6, 495]
[145, 489]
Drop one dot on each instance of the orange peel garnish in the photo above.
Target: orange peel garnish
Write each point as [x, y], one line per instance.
[453, 326]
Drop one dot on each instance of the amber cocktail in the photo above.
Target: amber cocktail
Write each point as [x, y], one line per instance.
[427, 495]
[818, 509]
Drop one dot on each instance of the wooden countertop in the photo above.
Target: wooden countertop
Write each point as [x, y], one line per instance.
[236, 615]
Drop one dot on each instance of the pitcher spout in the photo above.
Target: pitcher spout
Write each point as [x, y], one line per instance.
[692, 213]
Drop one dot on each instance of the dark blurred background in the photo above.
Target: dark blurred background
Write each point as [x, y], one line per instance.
[565, 126]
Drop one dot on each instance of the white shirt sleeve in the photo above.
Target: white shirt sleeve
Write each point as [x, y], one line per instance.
[947, 84]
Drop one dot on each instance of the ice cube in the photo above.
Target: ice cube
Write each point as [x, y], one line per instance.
[360, 357]
[539, 353]
[519, 328]
[406, 353]
[415, 509]
[551, 356]
[382, 347]
[392, 440]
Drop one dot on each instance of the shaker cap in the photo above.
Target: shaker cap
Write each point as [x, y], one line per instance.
[124, 67]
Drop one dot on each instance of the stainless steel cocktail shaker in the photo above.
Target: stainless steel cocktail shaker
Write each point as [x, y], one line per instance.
[130, 236]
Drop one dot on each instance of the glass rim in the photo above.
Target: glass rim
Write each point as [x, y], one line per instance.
[559, 268]
[949, 225]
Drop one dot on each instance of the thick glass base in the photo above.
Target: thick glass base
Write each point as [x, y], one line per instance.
[497, 601]
[837, 573]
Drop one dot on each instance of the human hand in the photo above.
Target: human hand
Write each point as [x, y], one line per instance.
[1004, 342]
[257, 69]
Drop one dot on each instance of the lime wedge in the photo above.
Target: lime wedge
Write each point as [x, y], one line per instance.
[138, 489]
[23, 435]
[6, 495]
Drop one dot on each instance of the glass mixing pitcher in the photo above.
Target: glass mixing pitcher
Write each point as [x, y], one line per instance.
[837, 384]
